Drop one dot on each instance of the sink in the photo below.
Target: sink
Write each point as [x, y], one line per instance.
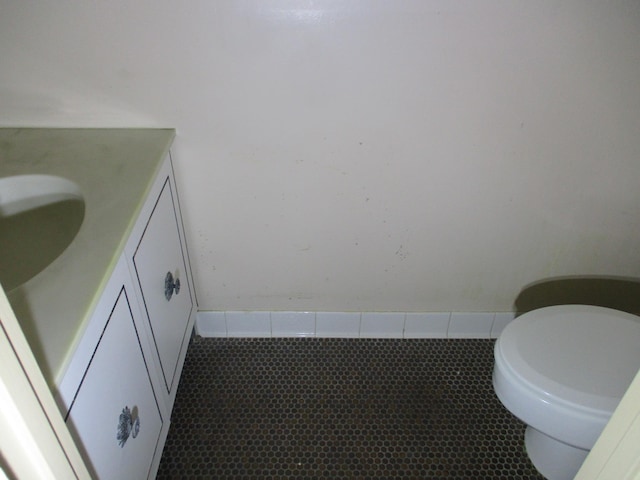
[40, 215]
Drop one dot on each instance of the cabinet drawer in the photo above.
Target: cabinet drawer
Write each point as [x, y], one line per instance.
[116, 379]
[160, 266]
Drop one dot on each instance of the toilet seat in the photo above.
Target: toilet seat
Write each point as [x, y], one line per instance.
[564, 369]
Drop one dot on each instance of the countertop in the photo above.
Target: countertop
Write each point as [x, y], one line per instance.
[114, 169]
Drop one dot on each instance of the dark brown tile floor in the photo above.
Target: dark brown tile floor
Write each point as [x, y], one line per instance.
[303, 408]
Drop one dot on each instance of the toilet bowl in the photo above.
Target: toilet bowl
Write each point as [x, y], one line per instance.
[562, 370]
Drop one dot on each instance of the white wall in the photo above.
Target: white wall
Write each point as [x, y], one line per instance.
[362, 155]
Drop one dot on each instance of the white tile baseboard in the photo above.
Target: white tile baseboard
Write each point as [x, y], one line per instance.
[426, 325]
[470, 325]
[338, 324]
[352, 324]
[293, 324]
[381, 325]
[248, 324]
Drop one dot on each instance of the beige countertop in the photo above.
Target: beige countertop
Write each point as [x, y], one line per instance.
[114, 169]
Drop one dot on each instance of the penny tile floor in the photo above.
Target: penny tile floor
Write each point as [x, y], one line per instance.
[315, 408]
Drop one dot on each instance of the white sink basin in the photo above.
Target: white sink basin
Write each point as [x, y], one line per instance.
[40, 215]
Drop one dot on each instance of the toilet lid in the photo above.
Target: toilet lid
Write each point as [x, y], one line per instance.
[580, 354]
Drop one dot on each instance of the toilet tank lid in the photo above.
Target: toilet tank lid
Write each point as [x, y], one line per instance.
[582, 354]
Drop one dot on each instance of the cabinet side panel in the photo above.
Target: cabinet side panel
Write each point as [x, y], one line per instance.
[159, 256]
[117, 380]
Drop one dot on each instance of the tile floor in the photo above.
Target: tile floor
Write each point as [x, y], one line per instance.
[304, 408]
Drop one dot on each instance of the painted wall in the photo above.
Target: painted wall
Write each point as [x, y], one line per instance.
[362, 155]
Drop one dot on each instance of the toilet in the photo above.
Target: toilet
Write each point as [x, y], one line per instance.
[562, 370]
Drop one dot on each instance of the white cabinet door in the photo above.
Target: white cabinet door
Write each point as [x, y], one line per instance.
[159, 255]
[117, 379]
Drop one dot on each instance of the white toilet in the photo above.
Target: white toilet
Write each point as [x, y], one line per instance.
[563, 370]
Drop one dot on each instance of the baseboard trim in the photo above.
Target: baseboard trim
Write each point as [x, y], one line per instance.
[352, 324]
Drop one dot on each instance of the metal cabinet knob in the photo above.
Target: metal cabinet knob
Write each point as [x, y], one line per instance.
[170, 285]
[128, 425]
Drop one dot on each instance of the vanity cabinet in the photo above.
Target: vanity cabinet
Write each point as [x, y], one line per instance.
[159, 266]
[120, 385]
[115, 415]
